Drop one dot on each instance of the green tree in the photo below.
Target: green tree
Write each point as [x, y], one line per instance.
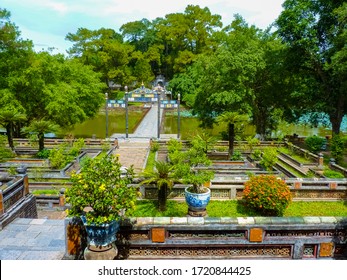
[315, 33]
[243, 76]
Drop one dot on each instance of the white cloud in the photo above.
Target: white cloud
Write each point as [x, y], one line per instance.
[40, 19]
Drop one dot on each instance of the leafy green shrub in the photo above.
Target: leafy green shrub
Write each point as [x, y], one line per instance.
[314, 143]
[43, 154]
[332, 174]
[267, 195]
[237, 155]
[5, 152]
[58, 158]
[337, 147]
[251, 142]
[155, 146]
[269, 158]
[256, 154]
[76, 148]
[101, 186]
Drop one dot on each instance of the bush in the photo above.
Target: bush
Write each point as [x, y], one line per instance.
[43, 154]
[237, 155]
[337, 147]
[256, 154]
[267, 195]
[314, 143]
[269, 158]
[332, 174]
[5, 152]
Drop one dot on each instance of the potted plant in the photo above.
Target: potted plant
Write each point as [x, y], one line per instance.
[100, 195]
[189, 168]
[197, 195]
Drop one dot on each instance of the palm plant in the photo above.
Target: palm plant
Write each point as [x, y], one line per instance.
[8, 118]
[162, 176]
[40, 127]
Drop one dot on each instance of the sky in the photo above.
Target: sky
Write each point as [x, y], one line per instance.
[47, 22]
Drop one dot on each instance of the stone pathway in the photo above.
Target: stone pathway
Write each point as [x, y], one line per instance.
[33, 239]
[133, 152]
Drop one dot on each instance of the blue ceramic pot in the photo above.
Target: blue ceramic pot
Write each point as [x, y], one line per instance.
[197, 201]
[101, 235]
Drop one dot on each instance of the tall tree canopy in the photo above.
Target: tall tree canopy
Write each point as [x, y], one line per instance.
[243, 75]
[315, 32]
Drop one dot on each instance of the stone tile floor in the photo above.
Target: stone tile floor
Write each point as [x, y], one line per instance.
[33, 239]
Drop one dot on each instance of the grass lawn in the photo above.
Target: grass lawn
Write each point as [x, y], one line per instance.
[232, 208]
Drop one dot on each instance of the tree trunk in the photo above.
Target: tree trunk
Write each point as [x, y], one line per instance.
[231, 129]
[335, 123]
[41, 137]
[162, 197]
[9, 132]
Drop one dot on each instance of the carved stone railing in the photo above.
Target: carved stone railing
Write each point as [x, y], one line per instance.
[227, 188]
[15, 199]
[224, 238]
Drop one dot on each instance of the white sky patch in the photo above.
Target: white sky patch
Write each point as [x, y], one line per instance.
[38, 20]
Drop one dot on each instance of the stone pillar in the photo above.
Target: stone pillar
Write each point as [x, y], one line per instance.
[320, 160]
[62, 197]
[298, 250]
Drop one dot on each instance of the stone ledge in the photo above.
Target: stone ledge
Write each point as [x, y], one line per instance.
[141, 221]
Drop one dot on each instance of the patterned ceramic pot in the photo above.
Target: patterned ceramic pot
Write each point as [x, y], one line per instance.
[197, 201]
[101, 235]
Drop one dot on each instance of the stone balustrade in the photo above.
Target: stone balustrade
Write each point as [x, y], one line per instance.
[15, 199]
[224, 238]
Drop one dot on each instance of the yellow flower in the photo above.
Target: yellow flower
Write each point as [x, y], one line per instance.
[102, 187]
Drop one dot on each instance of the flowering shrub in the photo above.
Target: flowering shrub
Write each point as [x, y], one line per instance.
[103, 188]
[267, 195]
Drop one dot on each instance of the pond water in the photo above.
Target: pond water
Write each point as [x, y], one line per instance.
[97, 125]
[189, 126]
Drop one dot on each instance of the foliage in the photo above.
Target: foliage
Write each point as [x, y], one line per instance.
[43, 153]
[269, 158]
[5, 152]
[185, 164]
[328, 173]
[155, 146]
[39, 128]
[237, 155]
[203, 141]
[57, 158]
[60, 156]
[267, 195]
[251, 142]
[256, 154]
[76, 148]
[314, 143]
[101, 186]
[337, 147]
[162, 176]
[315, 32]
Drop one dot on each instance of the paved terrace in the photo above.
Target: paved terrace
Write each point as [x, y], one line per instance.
[33, 239]
[44, 238]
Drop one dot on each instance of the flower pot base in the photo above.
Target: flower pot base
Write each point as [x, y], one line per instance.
[108, 252]
[194, 213]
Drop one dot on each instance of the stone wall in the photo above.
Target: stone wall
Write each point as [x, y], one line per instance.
[230, 238]
[15, 200]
